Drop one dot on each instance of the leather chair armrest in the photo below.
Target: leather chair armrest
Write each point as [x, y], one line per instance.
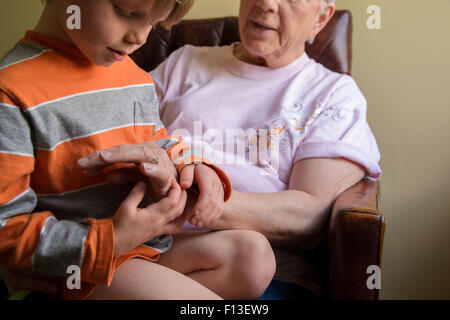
[355, 241]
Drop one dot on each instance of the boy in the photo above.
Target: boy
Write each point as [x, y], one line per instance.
[65, 94]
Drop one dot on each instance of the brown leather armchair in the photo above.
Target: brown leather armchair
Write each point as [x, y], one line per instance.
[356, 225]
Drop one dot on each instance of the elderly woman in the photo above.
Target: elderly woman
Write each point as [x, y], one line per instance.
[318, 139]
[302, 129]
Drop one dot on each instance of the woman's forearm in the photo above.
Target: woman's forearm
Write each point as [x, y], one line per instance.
[289, 217]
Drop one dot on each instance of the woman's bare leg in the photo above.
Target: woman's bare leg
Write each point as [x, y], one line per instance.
[139, 279]
[235, 264]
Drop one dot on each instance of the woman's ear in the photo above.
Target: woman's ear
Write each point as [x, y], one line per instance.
[326, 13]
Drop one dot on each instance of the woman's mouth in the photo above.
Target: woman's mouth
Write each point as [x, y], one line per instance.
[262, 27]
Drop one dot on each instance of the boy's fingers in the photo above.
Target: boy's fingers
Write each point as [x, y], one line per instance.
[135, 196]
[175, 191]
[167, 203]
[187, 176]
[179, 209]
[172, 209]
[176, 225]
[123, 175]
[183, 200]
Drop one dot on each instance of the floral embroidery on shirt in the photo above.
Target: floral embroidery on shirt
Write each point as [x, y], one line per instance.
[335, 113]
[303, 124]
[284, 131]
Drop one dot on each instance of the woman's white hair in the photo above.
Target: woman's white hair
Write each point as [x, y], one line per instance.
[328, 1]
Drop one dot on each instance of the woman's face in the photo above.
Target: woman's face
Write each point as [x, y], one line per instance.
[274, 32]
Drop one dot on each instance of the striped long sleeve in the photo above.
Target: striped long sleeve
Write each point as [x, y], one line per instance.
[37, 240]
[55, 108]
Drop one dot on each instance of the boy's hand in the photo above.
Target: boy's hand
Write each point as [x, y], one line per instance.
[211, 198]
[134, 226]
[157, 179]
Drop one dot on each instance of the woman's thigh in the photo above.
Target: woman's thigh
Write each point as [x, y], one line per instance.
[139, 279]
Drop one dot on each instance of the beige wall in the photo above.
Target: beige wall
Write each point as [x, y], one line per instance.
[213, 8]
[403, 69]
[17, 16]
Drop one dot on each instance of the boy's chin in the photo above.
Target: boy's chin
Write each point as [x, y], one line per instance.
[106, 64]
[103, 63]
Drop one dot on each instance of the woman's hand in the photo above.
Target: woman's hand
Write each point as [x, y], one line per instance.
[132, 163]
[209, 205]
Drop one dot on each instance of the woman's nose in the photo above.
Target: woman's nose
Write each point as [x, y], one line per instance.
[267, 5]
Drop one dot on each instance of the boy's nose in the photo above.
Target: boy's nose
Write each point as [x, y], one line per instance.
[137, 36]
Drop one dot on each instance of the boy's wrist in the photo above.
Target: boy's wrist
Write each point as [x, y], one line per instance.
[120, 245]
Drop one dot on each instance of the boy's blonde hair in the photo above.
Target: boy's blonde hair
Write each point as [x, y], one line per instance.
[179, 9]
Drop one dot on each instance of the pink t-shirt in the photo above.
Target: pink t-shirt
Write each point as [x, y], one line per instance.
[256, 123]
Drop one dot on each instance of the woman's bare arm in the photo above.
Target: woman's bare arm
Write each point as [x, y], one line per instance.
[298, 216]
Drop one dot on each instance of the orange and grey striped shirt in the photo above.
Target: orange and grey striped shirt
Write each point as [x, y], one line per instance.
[55, 108]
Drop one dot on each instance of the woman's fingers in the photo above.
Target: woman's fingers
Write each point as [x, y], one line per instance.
[132, 153]
[210, 200]
[216, 207]
[187, 176]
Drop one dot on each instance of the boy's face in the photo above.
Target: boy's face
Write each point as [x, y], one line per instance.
[110, 29]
